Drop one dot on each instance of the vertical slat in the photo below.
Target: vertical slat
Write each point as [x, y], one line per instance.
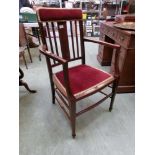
[76, 35]
[54, 36]
[49, 35]
[82, 42]
[63, 36]
[50, 41]
[72, 37]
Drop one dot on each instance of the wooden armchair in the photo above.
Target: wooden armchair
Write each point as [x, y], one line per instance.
[65, 46]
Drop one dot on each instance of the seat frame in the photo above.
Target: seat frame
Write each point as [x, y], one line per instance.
[68, 103]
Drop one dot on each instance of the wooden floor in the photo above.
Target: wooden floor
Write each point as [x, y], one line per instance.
[44, 129]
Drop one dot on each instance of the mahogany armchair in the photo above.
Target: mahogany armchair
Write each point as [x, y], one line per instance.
[60, 48]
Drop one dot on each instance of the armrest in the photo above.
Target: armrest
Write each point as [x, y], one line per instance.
[64, 63]
[43, 50]
[116, 54]
[116, 46]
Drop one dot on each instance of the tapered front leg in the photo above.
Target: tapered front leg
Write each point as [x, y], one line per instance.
[53, 93]
[73, 118]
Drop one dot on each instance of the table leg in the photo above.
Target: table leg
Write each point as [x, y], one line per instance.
[23, 83]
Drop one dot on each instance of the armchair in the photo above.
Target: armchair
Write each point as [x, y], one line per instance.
[72, 84]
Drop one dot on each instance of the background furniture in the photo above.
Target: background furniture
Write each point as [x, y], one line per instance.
[131, 8]
[127, 56]
[31, 29]
[23, 44]
[94, 12]
[22, 54]
[35, 32]
[73, 83]
[23, 83]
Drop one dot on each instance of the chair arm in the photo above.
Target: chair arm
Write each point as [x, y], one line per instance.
[47, 53]
[116, 54]
[115, 46]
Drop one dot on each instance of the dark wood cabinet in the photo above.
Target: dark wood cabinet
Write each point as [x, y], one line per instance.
[127, 54]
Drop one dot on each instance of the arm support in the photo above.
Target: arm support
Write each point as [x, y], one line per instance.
[43, 50]
[116, 54]
[115, 46]
[62, 61]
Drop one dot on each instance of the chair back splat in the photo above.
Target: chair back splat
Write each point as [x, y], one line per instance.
[62, 34]
[63, 42]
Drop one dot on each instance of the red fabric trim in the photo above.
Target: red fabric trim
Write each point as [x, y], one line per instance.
[49, 14]
[83, 77]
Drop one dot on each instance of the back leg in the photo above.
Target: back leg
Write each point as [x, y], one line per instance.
[114, 88]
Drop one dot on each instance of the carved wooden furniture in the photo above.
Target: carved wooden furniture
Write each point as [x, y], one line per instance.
[23, 44]
[35, 33]
[126, 39]
[23, 83]
[71, 84]
[22, 47]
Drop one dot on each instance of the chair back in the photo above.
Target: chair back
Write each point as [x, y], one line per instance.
[62, 32]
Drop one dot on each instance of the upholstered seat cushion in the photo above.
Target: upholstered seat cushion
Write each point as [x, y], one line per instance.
[83, 80]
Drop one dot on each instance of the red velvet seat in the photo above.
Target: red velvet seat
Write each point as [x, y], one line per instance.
[72, 84]
[83, 80]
